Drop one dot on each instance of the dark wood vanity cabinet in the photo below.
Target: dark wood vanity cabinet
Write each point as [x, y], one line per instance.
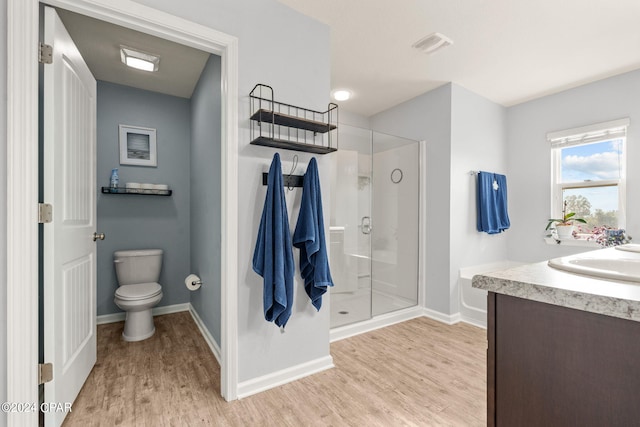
[554, 366]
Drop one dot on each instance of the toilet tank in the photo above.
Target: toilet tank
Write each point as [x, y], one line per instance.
[138, 266]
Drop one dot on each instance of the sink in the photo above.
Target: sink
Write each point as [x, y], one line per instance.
[606, 264]
[629, 248]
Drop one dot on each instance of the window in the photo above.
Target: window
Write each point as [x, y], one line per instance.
[588, 171]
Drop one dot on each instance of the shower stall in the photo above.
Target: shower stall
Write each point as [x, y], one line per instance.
[374, 225]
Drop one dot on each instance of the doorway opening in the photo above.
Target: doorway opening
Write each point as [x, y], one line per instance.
[81, 119]
[22, 150]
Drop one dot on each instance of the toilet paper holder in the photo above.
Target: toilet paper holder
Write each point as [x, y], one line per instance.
[193, 282]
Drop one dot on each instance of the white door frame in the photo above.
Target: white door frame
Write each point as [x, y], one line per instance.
[22, 178]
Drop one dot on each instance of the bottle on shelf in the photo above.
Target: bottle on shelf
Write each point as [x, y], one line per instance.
[113, 182]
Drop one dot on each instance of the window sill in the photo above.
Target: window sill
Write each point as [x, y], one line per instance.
[572, 242]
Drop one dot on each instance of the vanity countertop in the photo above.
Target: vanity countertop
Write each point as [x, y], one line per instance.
[539, 282]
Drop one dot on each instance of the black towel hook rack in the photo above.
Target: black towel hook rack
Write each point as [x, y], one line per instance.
[290, 181]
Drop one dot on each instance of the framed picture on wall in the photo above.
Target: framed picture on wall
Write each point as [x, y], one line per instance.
[138, 146]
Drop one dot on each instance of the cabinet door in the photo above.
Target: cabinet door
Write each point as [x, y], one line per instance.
[556, 366]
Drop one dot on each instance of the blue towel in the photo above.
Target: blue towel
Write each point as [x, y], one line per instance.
[492, 215]
[273, 255]
[309, 238]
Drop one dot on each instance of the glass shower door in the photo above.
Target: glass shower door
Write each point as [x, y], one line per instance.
[351, 227]
[394, 238]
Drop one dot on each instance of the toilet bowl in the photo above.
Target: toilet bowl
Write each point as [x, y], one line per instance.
[138, 292]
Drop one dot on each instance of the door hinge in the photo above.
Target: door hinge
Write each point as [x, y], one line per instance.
[45, 213]
[45, 55]
[45, 372]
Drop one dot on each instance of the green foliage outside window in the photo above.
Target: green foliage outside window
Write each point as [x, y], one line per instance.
[598, 218]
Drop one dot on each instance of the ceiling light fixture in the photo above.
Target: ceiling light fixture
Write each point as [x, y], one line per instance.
[139, 60]
[341, 94]
[432, 43]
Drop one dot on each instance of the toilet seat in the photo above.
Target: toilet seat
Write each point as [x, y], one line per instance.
[139, 291]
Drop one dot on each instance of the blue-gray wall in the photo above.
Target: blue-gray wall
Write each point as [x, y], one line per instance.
[206, 195]
[3, 210]
[142, 222]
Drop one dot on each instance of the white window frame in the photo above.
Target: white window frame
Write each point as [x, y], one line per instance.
[599, 132]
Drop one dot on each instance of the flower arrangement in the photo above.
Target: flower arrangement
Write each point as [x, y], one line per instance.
[604, 235]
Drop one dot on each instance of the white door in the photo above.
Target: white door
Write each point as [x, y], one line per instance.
[69, 247]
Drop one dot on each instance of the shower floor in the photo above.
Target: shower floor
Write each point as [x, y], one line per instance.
[352, 307]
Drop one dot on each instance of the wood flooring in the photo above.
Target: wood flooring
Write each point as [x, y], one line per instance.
[416, 373]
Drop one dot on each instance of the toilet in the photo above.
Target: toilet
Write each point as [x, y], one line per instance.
[138, 290]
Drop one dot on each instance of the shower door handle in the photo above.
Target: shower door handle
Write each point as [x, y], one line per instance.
[365, 225]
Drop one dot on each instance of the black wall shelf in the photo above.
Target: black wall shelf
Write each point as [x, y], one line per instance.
[136, 191]
[292, 145]
[279, 125]
[263, 115]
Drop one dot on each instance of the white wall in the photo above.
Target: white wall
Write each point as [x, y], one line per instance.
[3, 210]
[344, 216]
[428, 117]
[529, 156]
[349, 165]
[350, 202]
[478, 142]
[344, 206]
[290, 52]
[353, 119]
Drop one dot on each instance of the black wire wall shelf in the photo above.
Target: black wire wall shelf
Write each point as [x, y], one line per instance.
[280, 119]
[279, 125]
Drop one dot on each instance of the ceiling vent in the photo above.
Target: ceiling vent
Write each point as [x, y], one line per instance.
[432, 43]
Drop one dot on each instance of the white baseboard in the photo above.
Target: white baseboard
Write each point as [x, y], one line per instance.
[213, 345]
[275, 379]
[110, 318]
[377, 322]
[157, 311]
[452, 319]
[389, 319]
[449, 319]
